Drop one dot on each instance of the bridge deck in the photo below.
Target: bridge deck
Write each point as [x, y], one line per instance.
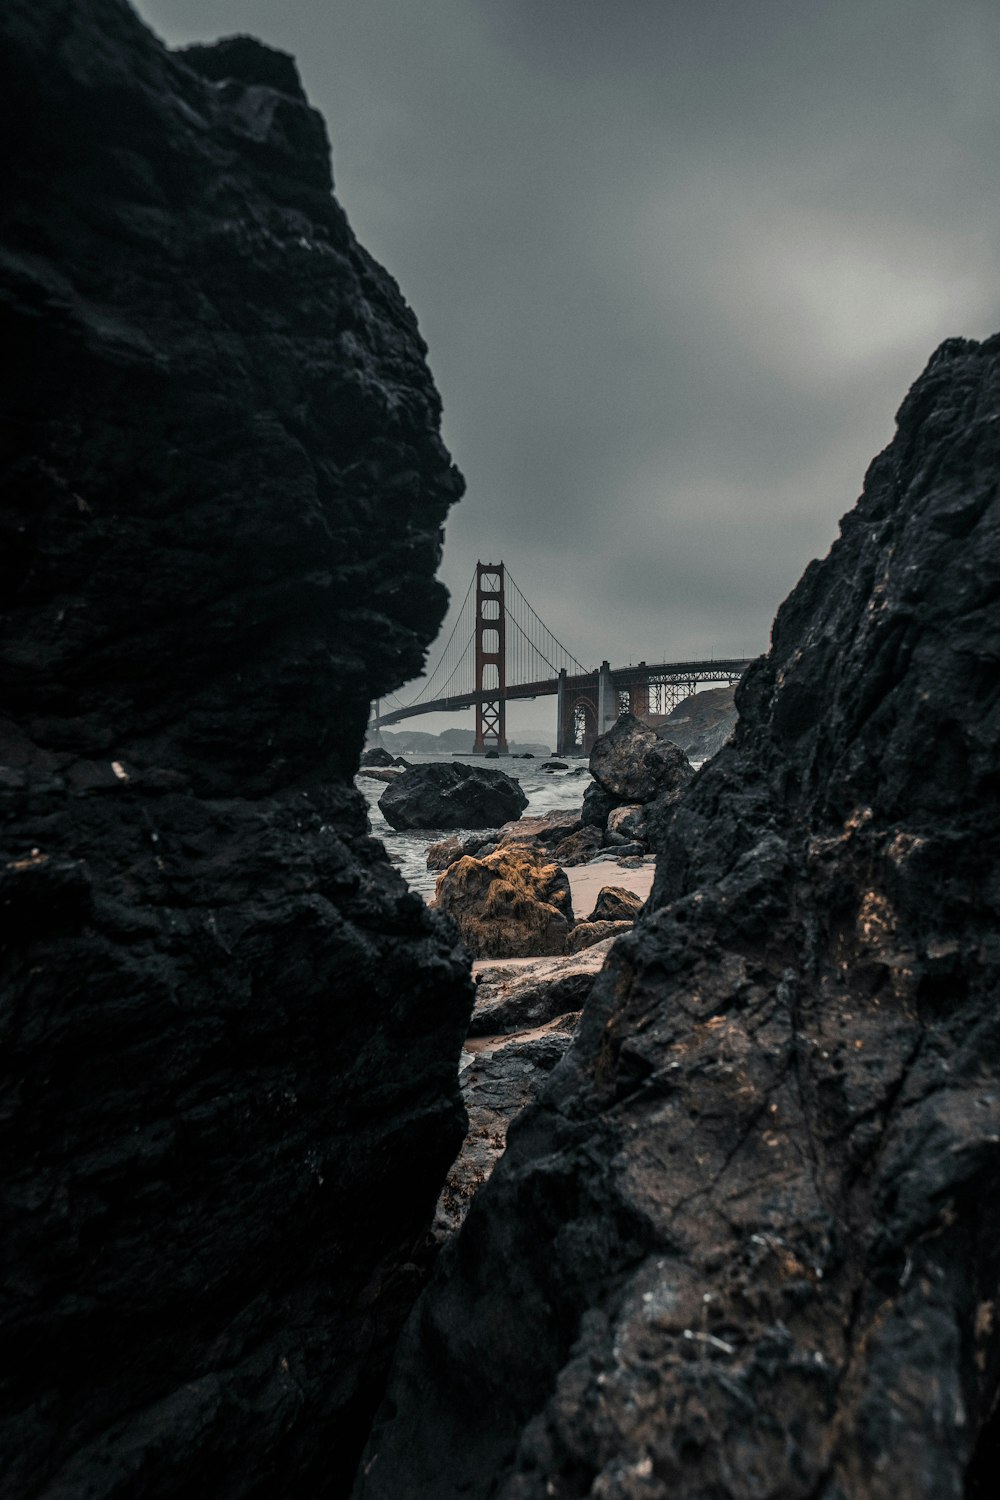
[623, 677]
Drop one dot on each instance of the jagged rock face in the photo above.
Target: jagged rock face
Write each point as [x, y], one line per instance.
[230, 1035]
[746, 1243]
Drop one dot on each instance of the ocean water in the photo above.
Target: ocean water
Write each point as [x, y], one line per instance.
[546, 791]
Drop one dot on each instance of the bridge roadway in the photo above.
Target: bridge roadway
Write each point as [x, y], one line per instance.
[643, 673]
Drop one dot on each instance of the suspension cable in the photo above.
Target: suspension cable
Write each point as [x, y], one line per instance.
[440, 661]
[568, 654]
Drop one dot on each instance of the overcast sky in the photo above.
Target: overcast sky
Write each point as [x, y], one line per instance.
[677, 263]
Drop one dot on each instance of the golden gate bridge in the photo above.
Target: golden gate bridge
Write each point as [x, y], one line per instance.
[500, 650]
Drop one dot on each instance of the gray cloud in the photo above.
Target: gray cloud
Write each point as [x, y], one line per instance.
[676, 263]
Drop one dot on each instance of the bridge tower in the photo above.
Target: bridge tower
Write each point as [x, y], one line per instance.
[491, 655]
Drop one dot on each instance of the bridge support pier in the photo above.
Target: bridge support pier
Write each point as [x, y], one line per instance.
[565, 741]
[607, 699]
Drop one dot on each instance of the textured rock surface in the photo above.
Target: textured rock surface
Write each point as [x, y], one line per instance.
[632, 765]
[543, 829]
[229, 1035]
[627, 824]
[517, 998]
[508, 904]
[499, 1076]
[616, 904]
[586, 933]
[443, 795]
[747, 1242]
[579, 848]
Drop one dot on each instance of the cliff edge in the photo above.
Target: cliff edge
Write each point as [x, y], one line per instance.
[228, 1093]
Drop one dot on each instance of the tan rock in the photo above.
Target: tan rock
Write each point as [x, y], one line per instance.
[586, 933]
[616, 904]
[509, 904]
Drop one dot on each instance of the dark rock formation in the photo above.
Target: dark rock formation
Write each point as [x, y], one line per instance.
[701, 724]
[626, 824]
[579, 848]
[747, 1242]
[446, 851]
[544, 829]
[376, 756]
[229, 1034]
[442, 795]
[500, 1076]
[510, 998]
[632, 765]
[597, 805]
[508, 904]
[616, 904]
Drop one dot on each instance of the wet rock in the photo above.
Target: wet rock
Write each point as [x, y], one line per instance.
[627, 825]
[451, 795]
[553, 765]
[518, 998]
[222, 486]
[770, 1158]
[508, 904]
[578, 848]
[597, 805]
[446, 851]
[633, 765]
[500, 1076]
[616, 904]
[544, 828]
[617, 854]
[376, 756]
[584, 934]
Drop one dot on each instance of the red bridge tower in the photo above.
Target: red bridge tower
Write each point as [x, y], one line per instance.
[491, 646]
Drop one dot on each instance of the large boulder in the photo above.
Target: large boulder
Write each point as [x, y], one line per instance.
[230, 1033]
[747, 1241]
[632, 764]
[509, 904]
[449, 794]
[445, 852]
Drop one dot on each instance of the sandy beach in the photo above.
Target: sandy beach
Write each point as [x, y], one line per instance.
[586, 881]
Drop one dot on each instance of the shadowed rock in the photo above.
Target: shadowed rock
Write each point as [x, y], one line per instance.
[451, 795]
[229, 1033]
[632, 765]
[747, 1242]
[519, 998]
